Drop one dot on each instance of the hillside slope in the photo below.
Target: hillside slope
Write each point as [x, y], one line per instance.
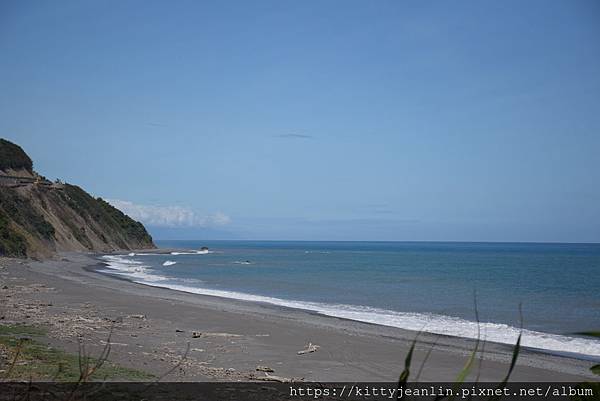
[39, 218]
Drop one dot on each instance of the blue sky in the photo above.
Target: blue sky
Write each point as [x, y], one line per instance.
[336, 120]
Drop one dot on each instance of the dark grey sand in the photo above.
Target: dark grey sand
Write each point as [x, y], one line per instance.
[152, 328]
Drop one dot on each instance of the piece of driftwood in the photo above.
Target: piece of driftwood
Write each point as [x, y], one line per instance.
[272, 378]
[197, 334]
[261, 368]
[309, 348]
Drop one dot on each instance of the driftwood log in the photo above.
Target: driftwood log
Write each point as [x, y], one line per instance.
[309, 348]
[272, 378]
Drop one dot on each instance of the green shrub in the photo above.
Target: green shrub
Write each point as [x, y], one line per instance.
[122, 228]
[22, 212]
[11, 242]
[12, 156]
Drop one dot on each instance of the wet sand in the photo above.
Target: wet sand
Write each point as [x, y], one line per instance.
[209, 338]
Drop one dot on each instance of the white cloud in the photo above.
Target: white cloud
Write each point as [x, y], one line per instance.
[169, 216]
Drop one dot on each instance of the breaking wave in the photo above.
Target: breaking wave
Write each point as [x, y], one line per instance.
[133, 269]
[432, 323]
[200, 252]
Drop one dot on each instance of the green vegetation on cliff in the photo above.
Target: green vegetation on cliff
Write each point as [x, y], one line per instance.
[22, 212]
[119, 225]
[17, 211]
[11, 242]
[38, 219]
[12, 156]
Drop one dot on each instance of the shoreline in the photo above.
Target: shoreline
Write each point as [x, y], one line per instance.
[541, 351]
[97, 269]
[246, 334]
[553, 343]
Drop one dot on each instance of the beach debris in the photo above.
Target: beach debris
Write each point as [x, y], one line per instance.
[178, 331]
[309, 348]
[261, 368]
[221, 335]
[143, 317]
[273, 378]
[113, 343]
[198, 334]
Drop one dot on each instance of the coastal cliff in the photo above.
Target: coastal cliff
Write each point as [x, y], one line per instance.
[39, 218]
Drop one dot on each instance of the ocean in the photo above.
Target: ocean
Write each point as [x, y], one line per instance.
[429, 286]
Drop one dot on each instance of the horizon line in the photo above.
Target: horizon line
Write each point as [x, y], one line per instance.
[395, 241]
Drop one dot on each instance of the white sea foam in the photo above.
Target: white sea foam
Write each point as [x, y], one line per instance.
[119, 264]
[432, 323]
[242, 262]
[169, 263]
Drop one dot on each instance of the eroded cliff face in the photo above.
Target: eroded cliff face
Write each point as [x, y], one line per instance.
[39, 218]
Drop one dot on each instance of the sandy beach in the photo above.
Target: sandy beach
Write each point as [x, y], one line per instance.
[213, 339]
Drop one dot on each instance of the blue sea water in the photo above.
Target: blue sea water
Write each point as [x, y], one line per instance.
[414, 285]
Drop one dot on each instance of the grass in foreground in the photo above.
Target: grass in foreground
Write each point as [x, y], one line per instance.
[22, 357]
